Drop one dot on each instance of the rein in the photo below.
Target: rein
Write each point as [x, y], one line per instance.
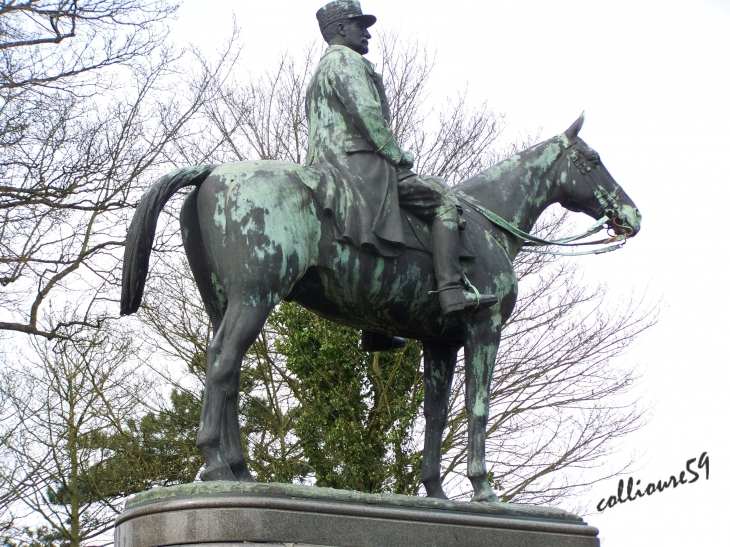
[605, 199]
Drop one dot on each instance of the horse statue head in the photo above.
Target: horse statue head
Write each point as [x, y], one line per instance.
[610, 199]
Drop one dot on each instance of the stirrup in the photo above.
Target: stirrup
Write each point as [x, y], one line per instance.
[455, 300]
[478, 298]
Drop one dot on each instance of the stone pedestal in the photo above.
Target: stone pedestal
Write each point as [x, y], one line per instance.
[228, 514]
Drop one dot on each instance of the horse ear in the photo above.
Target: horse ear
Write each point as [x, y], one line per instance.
[573, 130]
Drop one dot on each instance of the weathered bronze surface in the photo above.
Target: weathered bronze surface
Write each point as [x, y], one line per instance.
[250, 249]
[358, 171]
[330, 236]
[224, 514]
[301, 491]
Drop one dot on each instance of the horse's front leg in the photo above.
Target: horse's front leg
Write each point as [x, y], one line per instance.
[240, 326]
[480, 353]
[439, 362]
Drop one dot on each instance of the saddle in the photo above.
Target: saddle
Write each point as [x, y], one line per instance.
[418, 236]
[417, 232]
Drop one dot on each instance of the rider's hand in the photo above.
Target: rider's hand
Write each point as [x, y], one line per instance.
[407, 160]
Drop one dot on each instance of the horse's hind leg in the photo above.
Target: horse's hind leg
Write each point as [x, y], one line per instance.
[480, 354]
[438, 364]
[215, 305]
[259, 243]
[240, 326]
[214, 298]
[231, 433]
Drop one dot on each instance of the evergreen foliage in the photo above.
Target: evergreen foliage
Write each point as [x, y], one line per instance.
[357, 410]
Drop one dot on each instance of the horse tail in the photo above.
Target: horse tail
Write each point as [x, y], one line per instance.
[141, 233]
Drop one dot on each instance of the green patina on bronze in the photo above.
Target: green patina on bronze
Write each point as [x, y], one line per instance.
[349, 496]
[330, 236]
[361, 176]
[255, 248]
[348, 117]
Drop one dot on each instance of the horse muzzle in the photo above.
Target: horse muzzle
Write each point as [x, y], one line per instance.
[627, 221]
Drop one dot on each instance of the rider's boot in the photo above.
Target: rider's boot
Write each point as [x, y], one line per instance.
[452, 296]
[375, 341]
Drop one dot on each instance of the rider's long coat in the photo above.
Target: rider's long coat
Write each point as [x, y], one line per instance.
[352, 152]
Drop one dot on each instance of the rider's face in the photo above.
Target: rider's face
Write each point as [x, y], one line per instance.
[355, 35]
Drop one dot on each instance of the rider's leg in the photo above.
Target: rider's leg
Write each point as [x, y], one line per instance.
[430, 199]
[453, 298]
[445, 248]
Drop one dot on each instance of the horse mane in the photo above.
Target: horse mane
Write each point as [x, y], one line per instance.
[495, 173]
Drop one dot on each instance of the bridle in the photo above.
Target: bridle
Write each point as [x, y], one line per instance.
[606, 199]
[609, 206]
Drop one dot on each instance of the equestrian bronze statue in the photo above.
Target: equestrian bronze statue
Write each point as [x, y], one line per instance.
[358, 238]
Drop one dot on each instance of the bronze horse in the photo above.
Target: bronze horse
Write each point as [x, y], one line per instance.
[254, 235]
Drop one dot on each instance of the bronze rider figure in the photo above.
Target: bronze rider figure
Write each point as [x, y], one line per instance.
[359, 172]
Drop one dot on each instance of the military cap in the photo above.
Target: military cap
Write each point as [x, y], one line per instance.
[341, 10]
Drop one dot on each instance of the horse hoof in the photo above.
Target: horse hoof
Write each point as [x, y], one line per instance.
[489, 497]
[435, 490]
[241, 472]
[218, 473]
[245, 477]
[438, 494]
